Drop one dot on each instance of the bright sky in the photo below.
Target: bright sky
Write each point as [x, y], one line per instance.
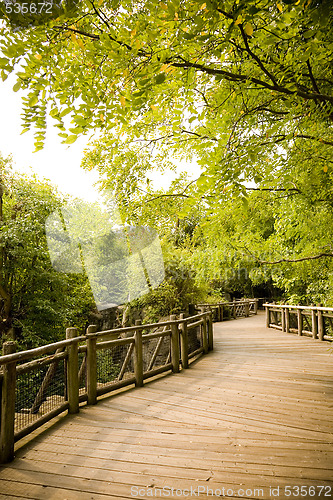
[57, 162]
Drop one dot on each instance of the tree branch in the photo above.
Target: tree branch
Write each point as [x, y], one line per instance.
[170, 195]
[104, 21]
[301, 259]
[256, 58]
[296, 190]
[226, 14]
[242, 78]
[273, 111]
[97, 37]
[312, 77]
[282, 137]
[198, 135]
[166, 195]
[303, 136]
[80, 32]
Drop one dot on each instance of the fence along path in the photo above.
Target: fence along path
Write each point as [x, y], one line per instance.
[312, 321]
[254, 414]
[39, 384]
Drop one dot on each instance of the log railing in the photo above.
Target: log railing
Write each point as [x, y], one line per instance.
[312, 321]
[227, 310]
[39, 384]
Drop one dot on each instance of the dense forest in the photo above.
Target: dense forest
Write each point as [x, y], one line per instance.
[241, 88]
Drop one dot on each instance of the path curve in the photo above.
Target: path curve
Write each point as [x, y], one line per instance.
[252, 419]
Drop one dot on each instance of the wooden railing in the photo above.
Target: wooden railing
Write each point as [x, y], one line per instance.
[312, 321]
[39, 384]
[227, 310]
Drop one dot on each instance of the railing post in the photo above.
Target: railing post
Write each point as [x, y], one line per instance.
[255, 309]
[299, 322]
[321, 324]
[183, 341]
[138, 356]
[220, 316]
[268, 316]
[72, 372]
[283, 319]
[91, 366]
[234, 309]
[174, 344]
[314, 322]
[8, 406]
[204, 334]
[247, 308]
[210, 332]
[274, 315]
[287, 325]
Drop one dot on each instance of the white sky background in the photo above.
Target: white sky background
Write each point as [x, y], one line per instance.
[57, 162]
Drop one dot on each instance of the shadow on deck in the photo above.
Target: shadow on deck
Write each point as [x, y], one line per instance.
[252, 419]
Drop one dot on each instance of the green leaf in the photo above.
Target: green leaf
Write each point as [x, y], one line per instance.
[309, 33]
[54, 112]
[70, 139]
[160, 78]
[187, 36]
[245, 202]
[65, 112]
[76, 130]
[80, 121]
[3, 62]
[17, 86]
[33, 101]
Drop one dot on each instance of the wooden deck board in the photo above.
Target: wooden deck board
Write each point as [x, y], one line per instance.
[253, 414]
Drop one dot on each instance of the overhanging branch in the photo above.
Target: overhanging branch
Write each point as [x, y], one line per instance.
[235, 77]
[300, 259]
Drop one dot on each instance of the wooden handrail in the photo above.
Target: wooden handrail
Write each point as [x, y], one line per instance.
[37, 351]
[289, 306]
[173, 329]
[181, 350]
[241, 307]
[310, 319]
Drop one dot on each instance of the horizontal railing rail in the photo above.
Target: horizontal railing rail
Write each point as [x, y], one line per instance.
[314, 321]
[235, 309]
[39, 384]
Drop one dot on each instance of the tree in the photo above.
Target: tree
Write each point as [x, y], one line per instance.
[192, 75]
[242, 87]
[36, 302]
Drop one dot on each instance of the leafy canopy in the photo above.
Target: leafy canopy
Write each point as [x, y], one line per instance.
[204, 78]
[242, 87]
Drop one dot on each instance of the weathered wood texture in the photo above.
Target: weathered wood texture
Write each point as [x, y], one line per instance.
[313, 321]
[146, 365]
[254, 413]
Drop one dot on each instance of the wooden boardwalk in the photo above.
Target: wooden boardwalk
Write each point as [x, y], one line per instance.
[252, 416]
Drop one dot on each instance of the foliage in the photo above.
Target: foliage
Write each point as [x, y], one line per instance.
[196, 76]
[242, 87]
[241, 243]
[176, 292]
[36, 302]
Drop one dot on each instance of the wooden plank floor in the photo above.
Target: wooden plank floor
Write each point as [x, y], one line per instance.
[253, 417]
